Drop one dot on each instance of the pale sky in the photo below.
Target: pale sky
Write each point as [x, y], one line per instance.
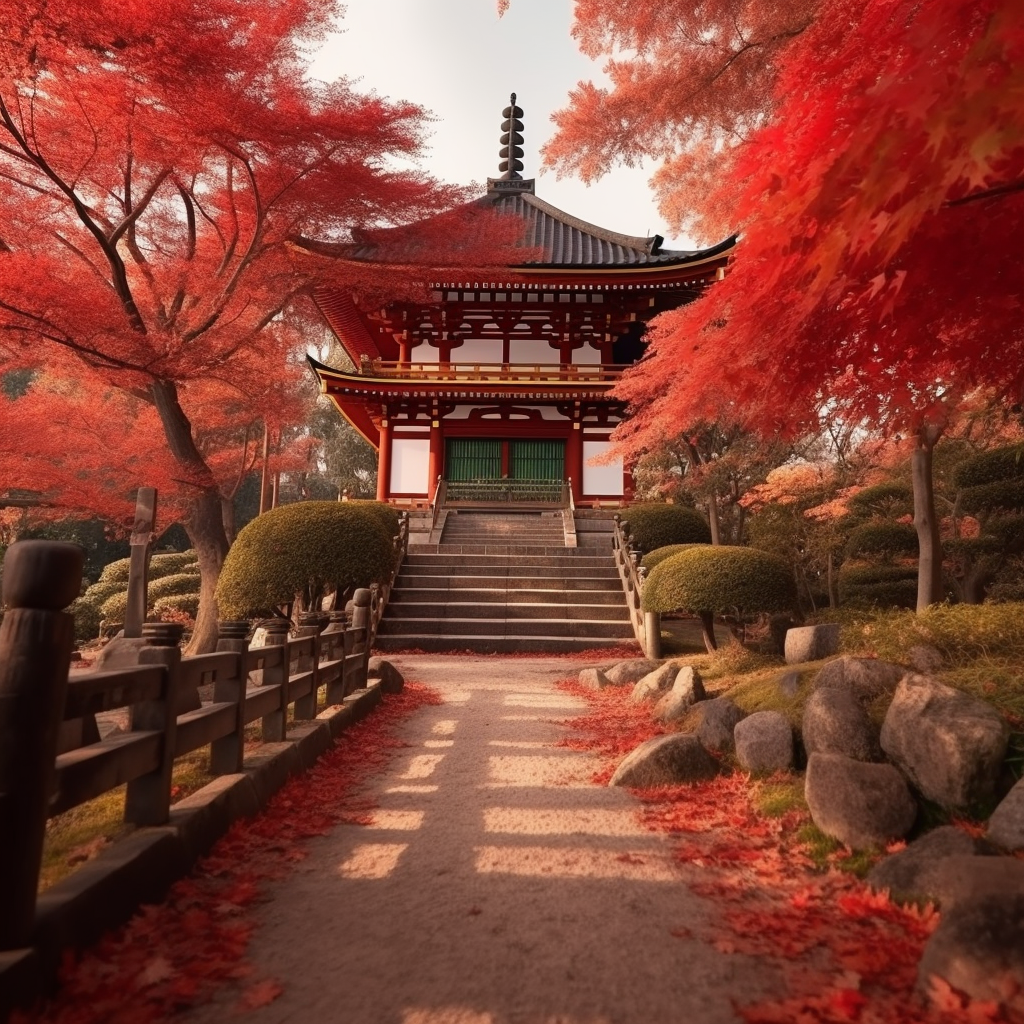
[460, 61]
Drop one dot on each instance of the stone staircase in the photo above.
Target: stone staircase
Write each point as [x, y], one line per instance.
[504, 582]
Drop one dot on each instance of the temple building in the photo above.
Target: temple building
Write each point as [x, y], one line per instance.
[499, 386]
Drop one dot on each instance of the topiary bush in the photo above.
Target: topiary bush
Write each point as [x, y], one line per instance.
[308, 547]
[989, 467]
[656, 525]
[658, 555]
[888, 500]
[882, 540]
[172, 563]
[172, 586]
[709, 580]
[880, 586]
[116, 572]
[115, 608]
[389, 516]
[99, 592]
[87, 619]
[176, 603]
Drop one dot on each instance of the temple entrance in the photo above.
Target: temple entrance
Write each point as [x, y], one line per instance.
[490, 470]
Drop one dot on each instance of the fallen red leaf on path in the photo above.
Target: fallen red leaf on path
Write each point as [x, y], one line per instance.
[263, 993]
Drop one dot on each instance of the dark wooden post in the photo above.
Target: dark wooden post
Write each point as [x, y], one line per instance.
[36, 639]
[335, 635]
[226, 754]
[275, 725]
[361, 620]
[310, 626]
[138, 572]
[148, 800]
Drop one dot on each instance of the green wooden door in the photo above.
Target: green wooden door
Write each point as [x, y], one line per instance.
[537, 460]
[472, 459]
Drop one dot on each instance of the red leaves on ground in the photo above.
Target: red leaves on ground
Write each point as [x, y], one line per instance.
[844, 952]
[174, 955]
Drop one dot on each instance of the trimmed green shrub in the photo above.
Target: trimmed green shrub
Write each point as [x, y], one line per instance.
[87, 619]
[656, 557]
[656, 525]
[99, 592]
[172, 586]
[997, 496]
[989, 467]
[889, 500]
[116, 572]
[389, 516]
[882, 586]
[309, 546]
[188, 603]
[172, 563]
[882, 540]
[720, 579]
[115, 608]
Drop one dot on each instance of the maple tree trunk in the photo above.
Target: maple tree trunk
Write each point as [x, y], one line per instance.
[929, 568]
[716, 537]
[707, 627]
[205, 522]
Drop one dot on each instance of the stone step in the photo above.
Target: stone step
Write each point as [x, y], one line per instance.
[500, 611]
[426, 595]
[497, 560]
[491, 627]
[498, 644]
[474, 581]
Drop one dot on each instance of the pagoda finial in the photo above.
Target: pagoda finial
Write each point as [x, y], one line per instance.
[511, 142]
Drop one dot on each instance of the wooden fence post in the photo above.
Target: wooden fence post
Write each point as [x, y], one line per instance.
[336, 634]
[275, 725]
[226, 754]
[309, 626]
[36, 638]
[148, 800]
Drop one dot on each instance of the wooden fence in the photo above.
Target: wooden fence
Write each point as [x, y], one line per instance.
[646, 625]
[259, 684]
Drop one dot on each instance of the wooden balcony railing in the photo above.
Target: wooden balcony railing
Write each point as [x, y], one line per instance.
[494, 371]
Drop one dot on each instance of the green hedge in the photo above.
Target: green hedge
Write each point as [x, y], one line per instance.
[188, 603]
[882, 540]
[656, 557]
[87, 619]
[167, 564]
[997, 496]
[172, 586]
[656, 525]
[317, 545]
[389, 517]
[99, 592]
[882, 499]
[882, 586]
[721, 579]
[990, 467]
[115, 608]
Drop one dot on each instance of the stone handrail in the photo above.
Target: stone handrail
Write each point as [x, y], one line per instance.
[568, 515]
[259, 684]
[646, 625]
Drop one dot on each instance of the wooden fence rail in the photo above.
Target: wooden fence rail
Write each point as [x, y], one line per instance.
[259, 684]
[646, 625]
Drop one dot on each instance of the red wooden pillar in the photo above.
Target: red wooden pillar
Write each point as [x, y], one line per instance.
[435, 465]
[404, 351]
[384, 462]
[574, 460]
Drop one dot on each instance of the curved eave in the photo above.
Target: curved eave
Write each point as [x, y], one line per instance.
[668, 265]
[336, 382]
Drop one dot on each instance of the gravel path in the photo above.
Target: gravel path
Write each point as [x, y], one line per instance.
[496, 884]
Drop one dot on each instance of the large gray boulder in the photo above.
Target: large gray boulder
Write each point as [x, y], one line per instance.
[811, 643]
[859, 803]
[764, 742]
[665, 761]
[978, 948]
[925, 659]
[911, 875]
[957, 880]
[686, 690]
[868, 678]
[391, 680]
[950, 745]
[654, 683]
[1006, 826]
[835, 722]
[716, 723]
[593, 679]
[626, 673]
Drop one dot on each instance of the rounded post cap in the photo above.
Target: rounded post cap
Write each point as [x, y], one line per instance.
[42, 574]
[361, 598]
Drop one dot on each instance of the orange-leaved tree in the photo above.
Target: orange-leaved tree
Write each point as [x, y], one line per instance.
[156, 159]
[881, 204]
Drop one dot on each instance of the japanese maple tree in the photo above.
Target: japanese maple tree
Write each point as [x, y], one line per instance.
[156, 162]
[880, 196]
